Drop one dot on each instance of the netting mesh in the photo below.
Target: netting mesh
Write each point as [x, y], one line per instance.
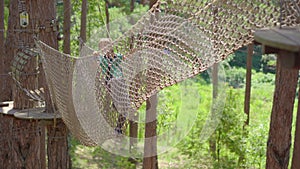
[170, 43]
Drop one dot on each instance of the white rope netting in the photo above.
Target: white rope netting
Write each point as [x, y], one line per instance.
[174, 41]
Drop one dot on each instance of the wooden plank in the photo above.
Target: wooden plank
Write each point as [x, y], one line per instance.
[284, 39]
[291, 33]
[36, 114]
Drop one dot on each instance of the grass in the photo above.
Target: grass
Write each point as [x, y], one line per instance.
[198, 155]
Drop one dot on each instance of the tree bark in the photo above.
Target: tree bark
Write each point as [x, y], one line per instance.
[107, 18]
[58, 147]
[150, 150]
[6, 124]
[143, 2]
[132, 5]
[279, 142]
[6, 90]
[24, 136]
[150, 160]
[215, 81]
[83, 20]
[58, 157]
[2, 50]
[152, 2]
[67, 26]
[296, 153]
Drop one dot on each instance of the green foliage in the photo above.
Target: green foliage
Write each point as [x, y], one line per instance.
[230, 135]
[269, 63]
[236, 77]
[239, 58]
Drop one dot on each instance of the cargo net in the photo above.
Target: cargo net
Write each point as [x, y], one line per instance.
[175, 40]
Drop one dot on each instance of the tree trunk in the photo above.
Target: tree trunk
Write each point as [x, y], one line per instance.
[58, 157]
[150, 150]
[2, 52]
[67, 26]
[24, 136]
[57, 135]
[215, 81]
[107, 18]
[279, 142]
[248, 83]
[150, 160]
[152, 2]
[83, 20]
[296, 153]
[132, 5]
[133, 124]
[143, 2]
[6, 90]
[6, 125]
[67, 50]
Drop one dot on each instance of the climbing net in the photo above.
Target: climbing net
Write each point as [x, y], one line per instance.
[174, 41]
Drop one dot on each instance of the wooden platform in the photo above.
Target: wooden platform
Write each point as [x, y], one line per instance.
[27, 114]
[284, 40]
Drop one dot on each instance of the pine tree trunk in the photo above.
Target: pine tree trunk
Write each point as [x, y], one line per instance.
[6, 125]
[107, 18]
[6, 90]
[279, 142]
[58, 157]
[212, 140]
[25, 137]
[150, 160]
[83, 20]
[132, 5]
[67, 26]
[296, 153]
[150, 150]
[143, 2]
[57, 135]
[2, 52]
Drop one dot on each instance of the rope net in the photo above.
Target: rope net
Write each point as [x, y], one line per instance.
[173, 41]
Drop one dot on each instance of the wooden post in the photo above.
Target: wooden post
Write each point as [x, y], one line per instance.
[296, 153]
[279, 142]
[248, 83]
